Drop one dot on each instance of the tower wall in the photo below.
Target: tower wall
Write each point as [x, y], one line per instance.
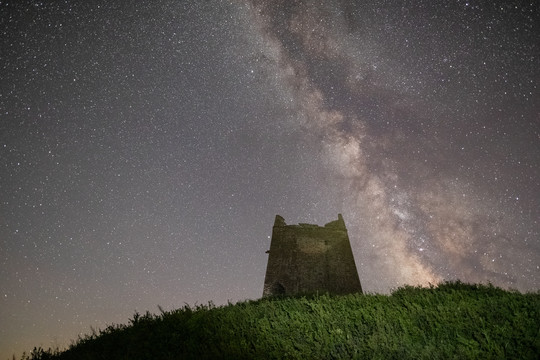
[308, 258]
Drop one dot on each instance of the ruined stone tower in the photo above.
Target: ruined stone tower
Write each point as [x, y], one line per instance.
[307, 258]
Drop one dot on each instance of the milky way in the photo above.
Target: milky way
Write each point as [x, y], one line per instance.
[391, 94]
[146, 149]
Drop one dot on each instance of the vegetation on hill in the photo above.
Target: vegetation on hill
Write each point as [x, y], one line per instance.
[451, 321]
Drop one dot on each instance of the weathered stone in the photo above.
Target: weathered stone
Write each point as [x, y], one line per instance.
[308, 258]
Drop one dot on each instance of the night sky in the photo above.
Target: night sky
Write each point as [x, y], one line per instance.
[145, 149]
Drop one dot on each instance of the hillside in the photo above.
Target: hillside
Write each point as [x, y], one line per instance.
[453, 320]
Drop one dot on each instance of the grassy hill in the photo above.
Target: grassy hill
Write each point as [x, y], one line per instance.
[451, 321]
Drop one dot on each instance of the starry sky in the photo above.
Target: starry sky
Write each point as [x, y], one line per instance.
[145, 149]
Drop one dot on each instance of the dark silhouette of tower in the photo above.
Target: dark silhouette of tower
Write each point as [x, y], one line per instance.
[308, 258]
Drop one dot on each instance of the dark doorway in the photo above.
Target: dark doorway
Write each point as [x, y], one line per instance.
[278, 289]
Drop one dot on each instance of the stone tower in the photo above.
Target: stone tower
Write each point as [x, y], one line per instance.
[307, 258]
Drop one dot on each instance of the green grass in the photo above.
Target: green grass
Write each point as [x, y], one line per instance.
[451, 321]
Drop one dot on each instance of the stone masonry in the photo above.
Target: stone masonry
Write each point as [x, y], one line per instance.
[308, 258]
